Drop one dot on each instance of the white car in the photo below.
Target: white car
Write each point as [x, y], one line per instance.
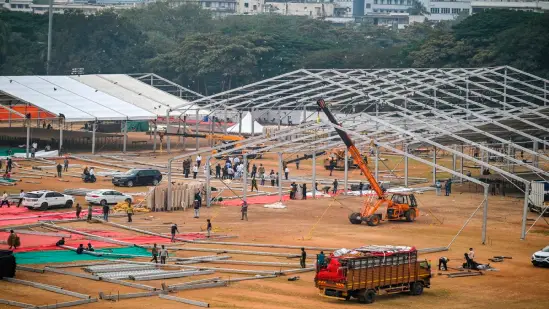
[541, 258]
[47, 199]
[107, 196]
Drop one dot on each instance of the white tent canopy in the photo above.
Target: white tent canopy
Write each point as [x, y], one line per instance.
[247, 121]
[140, 94]
[75, 101]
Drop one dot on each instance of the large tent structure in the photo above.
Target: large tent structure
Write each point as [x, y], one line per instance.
[483, 116]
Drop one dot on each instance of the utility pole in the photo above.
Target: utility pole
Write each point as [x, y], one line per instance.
[50, 22]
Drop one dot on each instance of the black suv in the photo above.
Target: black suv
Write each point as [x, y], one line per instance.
[138, 177]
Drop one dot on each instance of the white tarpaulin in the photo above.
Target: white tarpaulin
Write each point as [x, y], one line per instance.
[39, 154]
[247, 126]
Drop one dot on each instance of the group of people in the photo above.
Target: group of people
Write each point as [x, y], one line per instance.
[447, 187]
[195, 168]
[294, 191]
[469, 261]
[89, 174]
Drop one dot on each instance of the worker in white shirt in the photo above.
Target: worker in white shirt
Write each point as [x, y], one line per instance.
[195, 171]
[471, 254]
[198, 160]
[4, 200]
[286, 172]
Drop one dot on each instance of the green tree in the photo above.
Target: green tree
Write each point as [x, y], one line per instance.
[418, 8]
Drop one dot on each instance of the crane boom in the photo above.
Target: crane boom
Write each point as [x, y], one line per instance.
[355, 153]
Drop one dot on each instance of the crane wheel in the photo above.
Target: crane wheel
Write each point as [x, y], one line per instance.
[373, 220]
[355, 218]
[410, 215]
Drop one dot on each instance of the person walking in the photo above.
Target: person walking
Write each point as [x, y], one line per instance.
[277, 179]
[90, 212]
[272, 177]
[186, 168]
[335, 183]
[197, 205]
[9, 165]
[262, 176]
[106, 210]
[261, 169]
[286, 172]
[218, 171]
[360, 187]
[438, 187]
[320, 260]
[303, 258]
[163, 255]
[254, 171]
[13, 240]
[332, 166]
[448, 187]
[230, 172]
[173, 231]
[254, 184]
[21, 197]
[154, 253]
[66, 164]
[59, 170]
[5, 200]
[129, 211]
[195, 171]
[78, 210]
[304, 191]
[297, 163]
[209, 228]
[198, 160]
[244, 210]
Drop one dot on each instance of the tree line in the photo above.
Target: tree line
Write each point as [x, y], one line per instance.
[187, 45]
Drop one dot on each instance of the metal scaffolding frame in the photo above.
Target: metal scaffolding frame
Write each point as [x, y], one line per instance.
[496, 110]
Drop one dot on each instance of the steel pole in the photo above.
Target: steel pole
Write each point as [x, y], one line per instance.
[280, 176]
[245, 179]
[169, 206]
[239, 123]
[346, 172]
[208, 182]
[125, 128]
[525, 210]
[225, 126]
[377, 164]
[154, 138]
[168, 130]
[184, 131]
[196, 128]
[28, 139]
[253, 129]
[485, 215]
[314, 174]
[50, 26]
[94, 128]
[461, 164]
[406, 166]
[434, 165]
[61, 124]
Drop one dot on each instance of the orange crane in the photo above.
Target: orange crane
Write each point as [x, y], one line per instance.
[399, 206]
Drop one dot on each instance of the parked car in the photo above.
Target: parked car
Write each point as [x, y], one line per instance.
[104, 197]
[541, 258]
[45, 199]
[138, 177]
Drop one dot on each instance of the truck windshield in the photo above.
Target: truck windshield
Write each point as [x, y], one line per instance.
[546, 249]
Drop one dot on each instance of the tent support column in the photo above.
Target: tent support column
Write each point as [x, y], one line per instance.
[94, 128]
[28, 138]
[535, 159]
[208, 182]
[461, 164]
[376, 172]
[154, 135]
[346, 172]
[196, 128]
[61, 124]
[168, 145]
[253, 129]
[280, 177]
[434, 165]
[485, 215]
[406, 166]
[240, 123]
[279, 119]
[245, 179]
[169, 206]
[525, 210]
[225, 127]
[184, 131]
[125, 129]
[454, 160]
[314, 174]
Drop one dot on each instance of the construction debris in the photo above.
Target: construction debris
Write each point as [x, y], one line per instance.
[464, 274]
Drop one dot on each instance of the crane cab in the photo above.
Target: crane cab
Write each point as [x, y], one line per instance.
[402, 206]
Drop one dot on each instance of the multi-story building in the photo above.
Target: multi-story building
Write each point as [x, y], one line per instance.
[250, 7]
[447, 9]
[219, 8]
[523, 5]
[310, 9]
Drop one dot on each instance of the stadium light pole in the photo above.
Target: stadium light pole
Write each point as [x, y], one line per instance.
[50, 22]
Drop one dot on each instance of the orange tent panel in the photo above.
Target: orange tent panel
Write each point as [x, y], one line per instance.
[4, 113]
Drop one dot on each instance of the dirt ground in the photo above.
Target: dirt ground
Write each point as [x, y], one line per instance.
[324, 222]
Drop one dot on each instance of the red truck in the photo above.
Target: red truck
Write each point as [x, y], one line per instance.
[373, 270]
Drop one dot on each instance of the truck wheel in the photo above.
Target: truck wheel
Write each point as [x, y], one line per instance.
[44, 206]
[367, 297]
[373, 220]
[416, 289]
[355, 218]
[410, 215]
